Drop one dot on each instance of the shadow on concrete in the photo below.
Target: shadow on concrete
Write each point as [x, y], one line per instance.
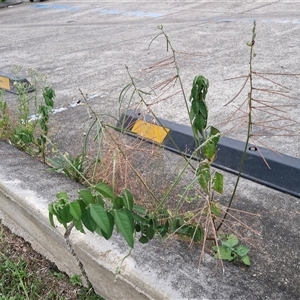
[8, 3]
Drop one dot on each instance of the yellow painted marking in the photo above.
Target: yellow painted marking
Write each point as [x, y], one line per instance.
[150, 131]
[4, 83]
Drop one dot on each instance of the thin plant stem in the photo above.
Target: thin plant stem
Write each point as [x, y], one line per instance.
[249, 126]
[182, 172]
[72, 251]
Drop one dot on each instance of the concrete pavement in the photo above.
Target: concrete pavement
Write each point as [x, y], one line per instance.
[87, 45]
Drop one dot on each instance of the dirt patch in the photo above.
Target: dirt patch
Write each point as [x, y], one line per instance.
[22, 269]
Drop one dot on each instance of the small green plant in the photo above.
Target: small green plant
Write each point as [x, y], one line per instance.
[206, 138]
[76, 280]
[43, 119]
[73, 167]
[23, 134]
[88, 293]
[99, 210]
[30, 128]
[25, 284]
[58, 275]
[208, 180]
[231, 250]
[5, 122]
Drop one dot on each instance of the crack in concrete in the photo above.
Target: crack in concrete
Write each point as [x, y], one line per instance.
[252, 9]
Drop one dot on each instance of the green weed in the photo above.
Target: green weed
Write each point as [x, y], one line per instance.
[100, 209]
[76, 280]
[230, 250]
[5, 120]
[72, 167]
[16, 281]
[29, 129]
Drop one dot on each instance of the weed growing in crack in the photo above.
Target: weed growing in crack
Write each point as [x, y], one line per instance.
[199, 224]
[29, 129]
[102, 207]
[73, 167]
[43, 119]
[5, 119]
[231, 250]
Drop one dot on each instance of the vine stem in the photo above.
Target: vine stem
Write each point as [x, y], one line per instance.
[118, 271]
[182, 172]
[176, 67]
[249, 126]
[71, 250]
